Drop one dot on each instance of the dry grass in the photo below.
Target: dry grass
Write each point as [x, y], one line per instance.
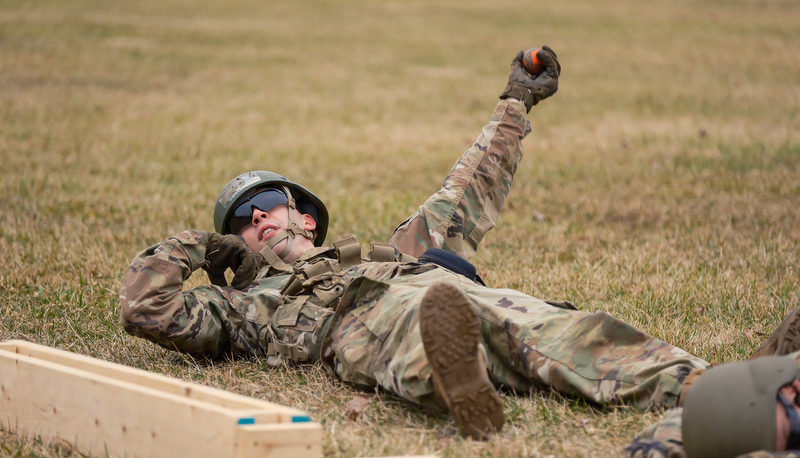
[660, 184]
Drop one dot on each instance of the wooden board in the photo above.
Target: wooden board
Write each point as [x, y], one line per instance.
[107, 408]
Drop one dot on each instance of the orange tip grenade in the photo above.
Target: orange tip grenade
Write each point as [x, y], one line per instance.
[531, 62]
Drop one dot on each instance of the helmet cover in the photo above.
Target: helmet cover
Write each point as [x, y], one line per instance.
[244, 185]
[730, 410]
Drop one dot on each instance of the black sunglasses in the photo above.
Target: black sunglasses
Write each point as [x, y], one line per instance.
[264, 200]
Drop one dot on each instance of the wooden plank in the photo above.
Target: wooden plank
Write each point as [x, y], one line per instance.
[279, 440]
[108, 410]
[148, 379]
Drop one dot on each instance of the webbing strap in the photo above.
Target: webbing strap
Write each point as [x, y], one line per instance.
[348, 251]
[274, 261]
[294, 352]
[318, 268]
[293, 286]
[277, 238]
[381, 252]
[303, 271]
[406, 258]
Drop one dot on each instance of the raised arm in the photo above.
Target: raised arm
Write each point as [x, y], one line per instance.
[458, 216]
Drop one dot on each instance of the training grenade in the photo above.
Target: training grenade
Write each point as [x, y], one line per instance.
[531, 62]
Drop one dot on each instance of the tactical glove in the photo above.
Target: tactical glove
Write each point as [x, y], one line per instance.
[531, 89]
[229, 251]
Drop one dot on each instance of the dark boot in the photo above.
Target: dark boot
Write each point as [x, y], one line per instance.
[450, 334]
[785, 339]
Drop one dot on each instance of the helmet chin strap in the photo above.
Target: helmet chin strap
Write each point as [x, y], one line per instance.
[292, 231]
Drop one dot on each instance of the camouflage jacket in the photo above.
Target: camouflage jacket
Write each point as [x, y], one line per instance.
[210, 320]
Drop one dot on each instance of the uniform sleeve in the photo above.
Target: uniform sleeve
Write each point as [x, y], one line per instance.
[203, 321]
[662, 440]
[457, 217]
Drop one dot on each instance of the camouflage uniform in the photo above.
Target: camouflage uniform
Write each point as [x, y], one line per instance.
[664, 439]
[361, 319]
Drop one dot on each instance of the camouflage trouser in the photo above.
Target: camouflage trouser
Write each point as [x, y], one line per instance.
[527, 344]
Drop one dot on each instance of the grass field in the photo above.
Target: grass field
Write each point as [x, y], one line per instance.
[661, 183]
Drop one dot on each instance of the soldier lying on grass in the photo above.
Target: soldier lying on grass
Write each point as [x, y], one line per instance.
[411, 317]
[744, 409]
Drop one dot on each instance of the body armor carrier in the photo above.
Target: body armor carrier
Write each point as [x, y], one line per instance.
[319, 280]
[316, 280]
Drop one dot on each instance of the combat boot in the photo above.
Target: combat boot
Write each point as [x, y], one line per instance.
[785, 339]
[450, 335]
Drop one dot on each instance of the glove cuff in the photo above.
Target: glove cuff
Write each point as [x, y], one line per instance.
[520, 92]
[208, 237]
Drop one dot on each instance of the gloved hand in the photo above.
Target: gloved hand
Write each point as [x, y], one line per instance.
[229, 251]
[532, 89]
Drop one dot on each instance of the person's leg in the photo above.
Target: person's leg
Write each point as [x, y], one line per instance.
[594, 356]
[526, 344]
[378, 342]
[450, 335]
[369, 339]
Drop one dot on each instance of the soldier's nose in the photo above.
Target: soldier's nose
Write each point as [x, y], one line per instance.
[259, 215]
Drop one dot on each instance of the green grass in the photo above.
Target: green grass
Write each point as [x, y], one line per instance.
[660, 184]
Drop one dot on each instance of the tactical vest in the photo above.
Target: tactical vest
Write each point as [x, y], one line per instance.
[317, 282]
[315, 287]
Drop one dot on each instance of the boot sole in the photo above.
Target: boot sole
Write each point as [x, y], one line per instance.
[450, 335]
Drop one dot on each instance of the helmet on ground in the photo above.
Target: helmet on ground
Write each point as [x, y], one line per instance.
[730, 409]
[247, 184]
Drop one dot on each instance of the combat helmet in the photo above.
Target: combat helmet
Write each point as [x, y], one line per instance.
[730, 409]
[245, 184]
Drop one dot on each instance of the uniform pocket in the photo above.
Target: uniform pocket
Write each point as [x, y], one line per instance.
[287, 314]
[255, 307]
